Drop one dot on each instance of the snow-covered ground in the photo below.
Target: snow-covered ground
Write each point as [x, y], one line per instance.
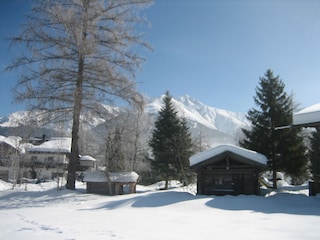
[40, 211]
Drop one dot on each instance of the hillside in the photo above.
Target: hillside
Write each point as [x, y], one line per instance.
[213, 125]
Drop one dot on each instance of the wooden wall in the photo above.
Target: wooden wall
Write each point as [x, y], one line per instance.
[228, 177]
[116, 187]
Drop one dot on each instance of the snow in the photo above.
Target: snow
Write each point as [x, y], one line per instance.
[307, 115]
[249, 154]
[40, 211]
[12, 141]
[15, 119]
[195, 111]
[87, 158]
[100, 176]
[56, 145]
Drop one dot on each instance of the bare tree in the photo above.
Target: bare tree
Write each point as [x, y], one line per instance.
[135, 141]
[132, 125]
[80, 52]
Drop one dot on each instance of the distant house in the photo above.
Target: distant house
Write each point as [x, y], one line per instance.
[9, 155]
[39, 157]
[49, 159]
[228, 169]
[114, 184]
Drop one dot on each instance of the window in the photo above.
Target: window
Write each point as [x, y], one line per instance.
[50, 161]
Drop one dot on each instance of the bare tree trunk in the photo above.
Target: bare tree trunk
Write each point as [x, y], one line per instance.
[166, 181]
[78, 96]
[72, 167]
[274, 172]
[109, 183]
[274, 177]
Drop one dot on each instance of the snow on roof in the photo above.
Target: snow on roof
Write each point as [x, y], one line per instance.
[87, 158]
[57, 145]
[307, 115]
[13, 141]
[100, 176]
[249, 154]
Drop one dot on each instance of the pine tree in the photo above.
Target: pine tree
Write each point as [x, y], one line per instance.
[170, 143]
[283, 148]
[315, 155]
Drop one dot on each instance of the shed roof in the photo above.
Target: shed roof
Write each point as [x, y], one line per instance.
[100, 176]
[87, 158]
[215, 154]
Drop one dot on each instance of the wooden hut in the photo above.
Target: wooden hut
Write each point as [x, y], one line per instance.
[111, 184]
[228, 169]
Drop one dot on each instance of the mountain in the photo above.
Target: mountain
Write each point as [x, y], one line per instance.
[214, 126]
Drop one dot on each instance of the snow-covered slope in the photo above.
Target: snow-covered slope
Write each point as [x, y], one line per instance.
[40, 211]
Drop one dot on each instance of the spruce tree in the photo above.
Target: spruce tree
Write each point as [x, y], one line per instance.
[315, 154]
[283, 148]
[170, 143]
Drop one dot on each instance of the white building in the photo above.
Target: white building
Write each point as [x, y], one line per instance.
[49, 159]
[44, 159]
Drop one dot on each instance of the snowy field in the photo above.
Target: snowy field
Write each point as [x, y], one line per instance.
[40, 211]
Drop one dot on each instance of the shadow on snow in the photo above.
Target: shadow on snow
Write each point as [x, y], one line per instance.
[278, 202]
[284, 203]
[11, 199]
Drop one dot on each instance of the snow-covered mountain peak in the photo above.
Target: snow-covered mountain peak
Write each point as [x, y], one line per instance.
[190, 102]
[197, 112]
[14, 119]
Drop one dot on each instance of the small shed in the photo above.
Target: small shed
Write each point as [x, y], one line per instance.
[228, 169]
[111, 183]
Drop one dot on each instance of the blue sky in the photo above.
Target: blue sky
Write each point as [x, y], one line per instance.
[212, 50]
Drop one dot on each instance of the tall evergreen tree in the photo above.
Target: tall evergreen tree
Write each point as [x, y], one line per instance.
[315, 154]
[283, 148]
[170, 143]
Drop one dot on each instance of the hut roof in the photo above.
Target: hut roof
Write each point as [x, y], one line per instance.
[215, 154]
[100, 176]
[87, 158]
